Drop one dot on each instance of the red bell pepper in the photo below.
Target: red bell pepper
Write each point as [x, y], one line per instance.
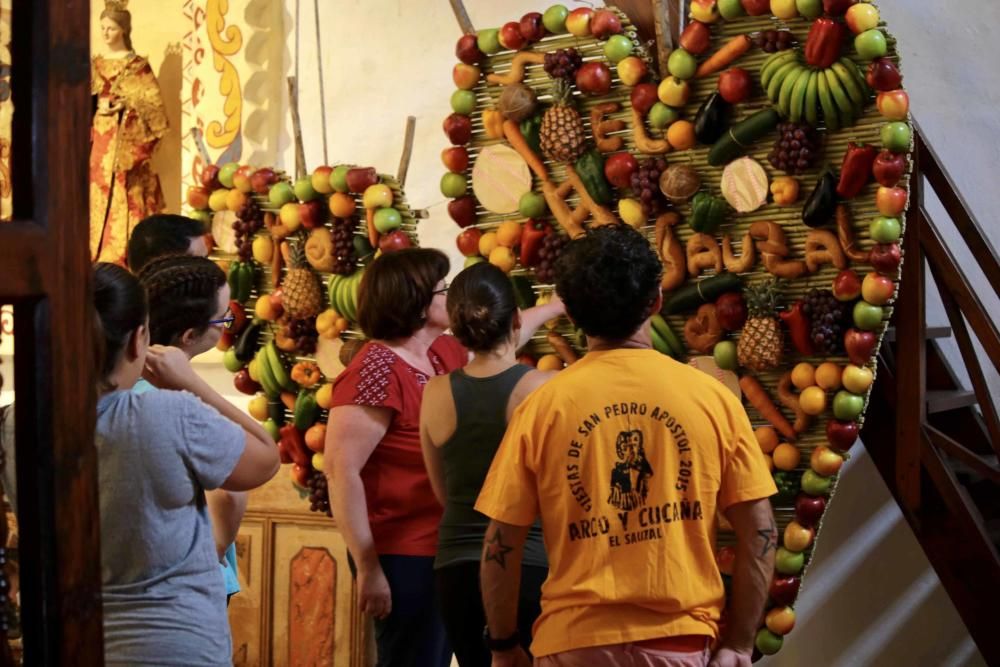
[856, 170]
[295, 445]
[239, 317]
[534, 233]
[798, 328]
[824, 42]
[837, 7]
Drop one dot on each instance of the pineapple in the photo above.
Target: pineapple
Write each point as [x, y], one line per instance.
[762, 341]
[562, 134]
[303, 296]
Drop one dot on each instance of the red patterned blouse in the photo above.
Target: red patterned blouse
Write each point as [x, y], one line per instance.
[402, 509]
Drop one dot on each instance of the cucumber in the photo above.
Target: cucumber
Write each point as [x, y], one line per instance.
[692, 295]
[737, 140]
[524, 296]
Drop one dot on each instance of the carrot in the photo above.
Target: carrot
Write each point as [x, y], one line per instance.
[372, 232]
[562, 348]
[726, 55]
[517, 141]
[757, 395]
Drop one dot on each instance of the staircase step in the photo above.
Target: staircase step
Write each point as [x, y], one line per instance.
[932, 332]
[942, 400]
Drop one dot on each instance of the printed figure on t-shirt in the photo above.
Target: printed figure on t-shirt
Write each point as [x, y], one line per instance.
[630, 476]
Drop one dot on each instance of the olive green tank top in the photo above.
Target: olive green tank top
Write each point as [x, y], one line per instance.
[480, 423]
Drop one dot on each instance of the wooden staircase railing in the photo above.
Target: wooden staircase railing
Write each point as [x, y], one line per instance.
[916, 452]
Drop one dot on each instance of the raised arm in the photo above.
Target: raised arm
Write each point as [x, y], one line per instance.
[533, 318]
[500, 580]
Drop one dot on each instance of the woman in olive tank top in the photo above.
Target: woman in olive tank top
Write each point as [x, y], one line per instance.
[462, 421]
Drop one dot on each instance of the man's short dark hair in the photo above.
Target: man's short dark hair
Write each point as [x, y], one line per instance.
[159, 235]
[609, 280]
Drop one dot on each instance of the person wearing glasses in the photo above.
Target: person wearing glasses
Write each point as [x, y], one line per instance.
[380, 492]
[188, 309]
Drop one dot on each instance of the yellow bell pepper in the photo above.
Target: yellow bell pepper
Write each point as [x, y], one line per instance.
[785, 190]
[493, 123]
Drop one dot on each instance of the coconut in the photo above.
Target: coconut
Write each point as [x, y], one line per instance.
[679, 182]
[517, 102]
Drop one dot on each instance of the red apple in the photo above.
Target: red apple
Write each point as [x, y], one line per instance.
[244, 383]
[847, 286]
[731, 311]
[531, 26]
[578, 21]
[735, 84]
[809, 509]
[725, 558]
[605, 23]
[510, 36]
[455, 158]
[797, 537]
[320, 179]
[463, 210]
[825, 461]
[312, 213]
[885, 258]
[837, 7]
[696, 38]
[756, 7]
[890, 201]
[527, 360]
[361, 178]
[859, 345]
[262, 179]
[644, 97]
[593, 78]
[300, 475]
[841, 434]
[893, 104]
[467, 50]
[395, 240]
[889, 168]
[210, 177]
[197, 196]
[458, 128]
[619, 167]
[877, 289]
[465, 76]
[241, 179]
[883, 75]
[277, 299]
[784, 590]
[468, 241]
[632, 70]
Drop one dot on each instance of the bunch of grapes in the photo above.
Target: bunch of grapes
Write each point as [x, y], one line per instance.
[319, 497]
[562, 63]
[826, 321]
[343, 245]
[772, 41]
[646, 184]
[796, 148]
[552, 247]
[304, 333]
[250, 220]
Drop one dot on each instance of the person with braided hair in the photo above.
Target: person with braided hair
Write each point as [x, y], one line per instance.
[188, 306]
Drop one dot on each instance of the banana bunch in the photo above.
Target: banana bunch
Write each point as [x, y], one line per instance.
[799, 92]
[665, 341]
[271, 372]
[343, 291]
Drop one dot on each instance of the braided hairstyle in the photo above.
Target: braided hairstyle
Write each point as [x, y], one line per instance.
[183, 294]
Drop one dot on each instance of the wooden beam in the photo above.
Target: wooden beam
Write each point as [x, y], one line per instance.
[300, 152]
[404, 159]
[462, 16]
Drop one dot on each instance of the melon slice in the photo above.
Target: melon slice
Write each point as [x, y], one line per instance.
[499, 178]
[744, 184]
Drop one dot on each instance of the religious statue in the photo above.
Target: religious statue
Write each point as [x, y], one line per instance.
[128, 124]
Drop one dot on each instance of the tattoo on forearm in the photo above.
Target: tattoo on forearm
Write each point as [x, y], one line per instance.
[496, 550]
[769, 537]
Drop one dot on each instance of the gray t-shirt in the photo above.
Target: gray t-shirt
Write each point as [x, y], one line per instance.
[164, 601]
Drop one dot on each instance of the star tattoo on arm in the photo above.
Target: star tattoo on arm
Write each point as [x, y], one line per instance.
[496, 550]
[769, 536]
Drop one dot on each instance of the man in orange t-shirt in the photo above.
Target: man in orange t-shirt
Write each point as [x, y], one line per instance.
[627, 455]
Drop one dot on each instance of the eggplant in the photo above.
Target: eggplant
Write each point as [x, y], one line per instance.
[710, 122]
[819, 209]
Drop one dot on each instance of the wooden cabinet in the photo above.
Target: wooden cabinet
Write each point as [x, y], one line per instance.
[298, 605]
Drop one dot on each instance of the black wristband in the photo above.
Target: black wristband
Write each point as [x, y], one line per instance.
[504, 644]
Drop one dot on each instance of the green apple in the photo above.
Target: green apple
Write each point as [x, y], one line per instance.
[229, 360]
[809, 9]
[304, 189]
[280, 194]
[895, 137]
[554, 19]
[847, 406]
[766, 641]
[871, 44]
[202, 216]
[387, 219]
[724, 354]
[660, 115]
[453, 185]
[789, 562]
[463, 102]
[867, 317]
[815, 484]
[617, 48]
[338, 178]
[732, 9]
[532, 205]
[884, 229]
[475, 259]
[488, 41]
[682, 64]
[272, 429]
[227, 172]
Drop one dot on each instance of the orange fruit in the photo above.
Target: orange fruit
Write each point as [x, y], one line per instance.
[509, 233]
[315, 437]
[341, 205]
[487, 242]
[767, 438]
[264, 309]
[812, 400]
[235, 200]
[786, 456]
[680, 134]
[324, 395]
[550, 362]
[803, 375]
[503, 258]
[828, 376]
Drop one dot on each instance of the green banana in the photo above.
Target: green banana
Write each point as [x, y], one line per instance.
[844, 103]
[277, 367]
[787, 86]
[774, 85]
[830, 115]
[799, 96]
[331, 289]
[849, 84]
[669, 337]
[812, 100]
[772, 64]
[659, 344]
[267, 380]
[859, 78]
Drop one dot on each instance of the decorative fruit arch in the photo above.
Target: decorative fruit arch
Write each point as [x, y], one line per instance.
[769, 169]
